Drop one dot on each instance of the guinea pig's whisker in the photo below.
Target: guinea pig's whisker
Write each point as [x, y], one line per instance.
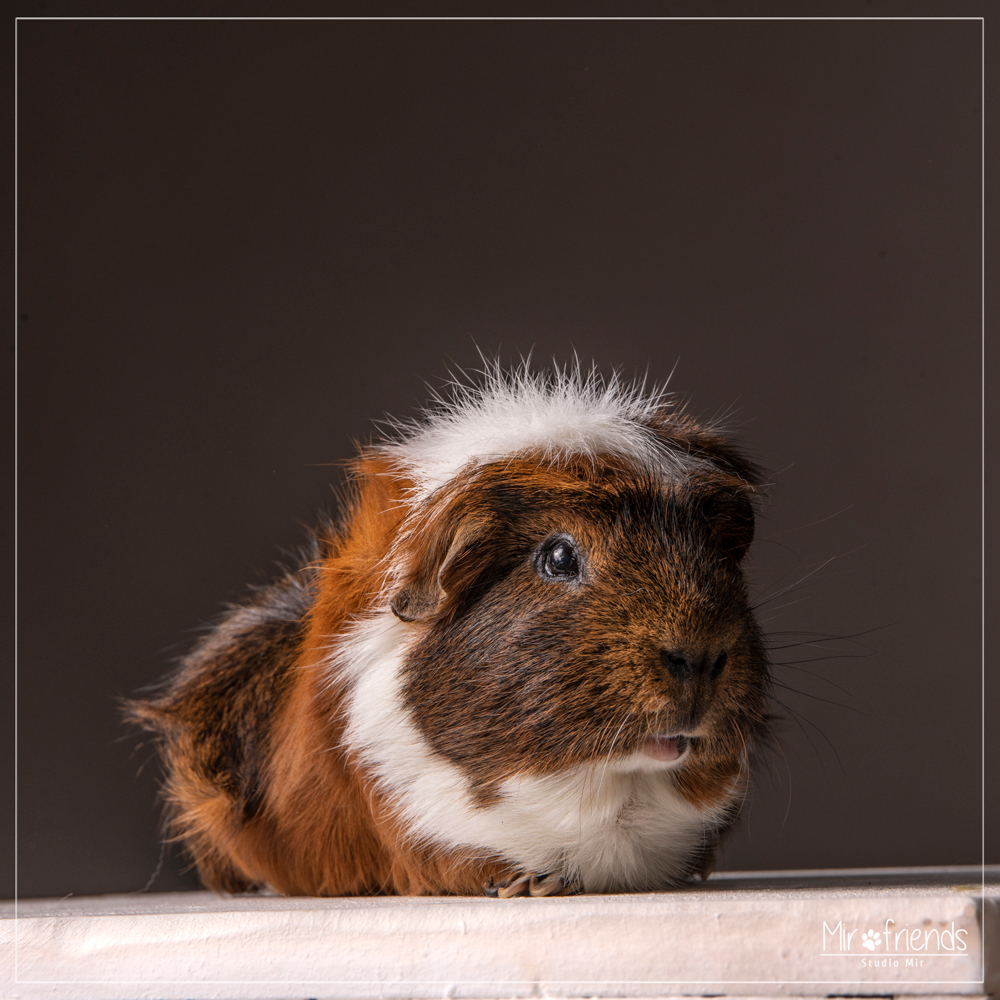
[587, 787]
[781, 607]
[814, 643]
[798, 718]
[792, 586]
[818, 637]
[796, 665]
[788, 802]
[817, 659]
[788, 687]
[744, 767]
[611, 750]
[802, 527]
[588, 791]
[775, 744]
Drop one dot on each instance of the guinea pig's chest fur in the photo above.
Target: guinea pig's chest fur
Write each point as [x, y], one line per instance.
[613, 830]
[513, 724]
[527, 648]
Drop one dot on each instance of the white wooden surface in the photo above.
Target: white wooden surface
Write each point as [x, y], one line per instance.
[762, 934]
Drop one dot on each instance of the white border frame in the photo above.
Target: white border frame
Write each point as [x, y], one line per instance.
[445, 982]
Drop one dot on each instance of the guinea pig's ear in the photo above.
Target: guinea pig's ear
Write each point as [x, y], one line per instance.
[710, 444]
[414, 603]
[730, 514]
[436, 573]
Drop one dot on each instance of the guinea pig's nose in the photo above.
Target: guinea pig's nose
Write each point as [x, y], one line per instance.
[684, 666]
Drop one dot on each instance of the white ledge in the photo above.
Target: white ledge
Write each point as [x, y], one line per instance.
[784, 934]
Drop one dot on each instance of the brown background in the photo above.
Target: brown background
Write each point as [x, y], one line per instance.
[240, 241]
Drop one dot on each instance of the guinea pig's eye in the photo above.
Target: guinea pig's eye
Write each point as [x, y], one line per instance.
[560, 559]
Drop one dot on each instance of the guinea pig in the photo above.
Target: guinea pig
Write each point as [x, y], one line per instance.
[523, 661]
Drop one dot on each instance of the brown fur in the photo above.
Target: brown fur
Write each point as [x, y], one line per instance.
[259, 784]
[543, 706]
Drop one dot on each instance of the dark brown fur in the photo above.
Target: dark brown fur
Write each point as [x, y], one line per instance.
[510, 675]
[553, 686]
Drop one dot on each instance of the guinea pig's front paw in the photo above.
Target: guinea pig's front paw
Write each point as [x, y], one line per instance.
[527, 884]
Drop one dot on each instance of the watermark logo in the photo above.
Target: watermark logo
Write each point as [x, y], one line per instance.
[892, 945]
[870, 939]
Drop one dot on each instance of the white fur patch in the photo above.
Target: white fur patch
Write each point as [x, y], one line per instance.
[562, 413]
[615, 829]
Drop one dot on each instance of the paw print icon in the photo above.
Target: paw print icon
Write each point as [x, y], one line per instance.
[871, 938]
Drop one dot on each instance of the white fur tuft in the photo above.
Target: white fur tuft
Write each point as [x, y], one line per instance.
[561, 413]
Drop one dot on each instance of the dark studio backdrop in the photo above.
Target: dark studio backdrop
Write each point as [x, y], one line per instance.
[240, 241]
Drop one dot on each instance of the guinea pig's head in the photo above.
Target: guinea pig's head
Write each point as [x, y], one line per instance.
[585, 609]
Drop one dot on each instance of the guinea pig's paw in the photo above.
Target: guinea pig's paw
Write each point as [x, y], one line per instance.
[527, 884]
[516, 886]
[553, 885]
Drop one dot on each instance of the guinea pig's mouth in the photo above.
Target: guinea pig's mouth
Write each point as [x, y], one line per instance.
[664, 747]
